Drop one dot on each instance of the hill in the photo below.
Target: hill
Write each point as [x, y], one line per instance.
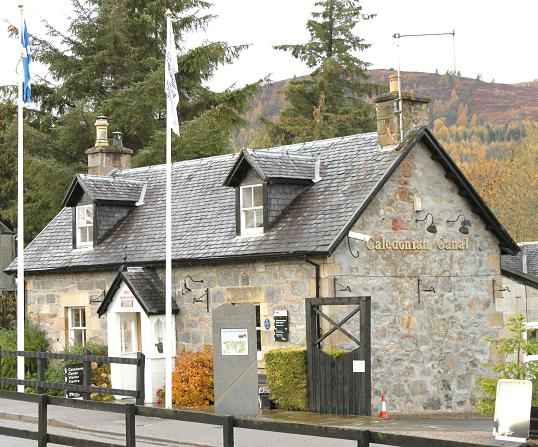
[493, 103]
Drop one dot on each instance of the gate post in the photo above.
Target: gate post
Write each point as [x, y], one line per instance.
[87, 375]
[140, 378]
[365, 403]
[42, 420]
[40, 373]
[309, 355]
[130, 426]
[228, 432]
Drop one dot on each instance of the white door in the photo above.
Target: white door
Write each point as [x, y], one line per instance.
[129, 346]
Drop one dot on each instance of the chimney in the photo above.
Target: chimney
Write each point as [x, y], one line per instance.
[416, 113]
[105, 157]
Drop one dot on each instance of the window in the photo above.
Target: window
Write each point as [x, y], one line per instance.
[76, 326]
[252, 209]
[128, 332]
[84, 226]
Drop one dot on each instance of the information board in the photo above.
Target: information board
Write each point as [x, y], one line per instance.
[74, 375]
[282, 325]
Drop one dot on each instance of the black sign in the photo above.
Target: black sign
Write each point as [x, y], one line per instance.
[74, 375]
[282, 326]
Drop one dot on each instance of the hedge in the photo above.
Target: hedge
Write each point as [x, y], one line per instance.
[287, 378]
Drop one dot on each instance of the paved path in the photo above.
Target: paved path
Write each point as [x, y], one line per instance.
[158, 432]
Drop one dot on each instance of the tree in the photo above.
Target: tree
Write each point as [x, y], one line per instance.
[111, 62]
[331, 101]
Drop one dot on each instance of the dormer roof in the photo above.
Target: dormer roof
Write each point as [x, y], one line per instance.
[111, 190]
[273, 166]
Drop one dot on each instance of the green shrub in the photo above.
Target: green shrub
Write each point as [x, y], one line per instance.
[513, 347]
[35, 339]
[286, 377]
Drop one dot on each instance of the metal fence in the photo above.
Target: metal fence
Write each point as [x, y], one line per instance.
[41, 385]
[228, 424]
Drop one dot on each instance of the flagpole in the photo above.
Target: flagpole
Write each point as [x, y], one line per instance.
[20, 219]
[168, 274]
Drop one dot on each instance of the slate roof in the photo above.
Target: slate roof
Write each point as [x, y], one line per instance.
[524, 278]
[275, 164]
[529, 252]
[146, 286]
[106, 189]
[353, 169]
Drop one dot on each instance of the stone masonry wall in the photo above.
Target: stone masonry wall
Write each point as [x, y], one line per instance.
[427, 352]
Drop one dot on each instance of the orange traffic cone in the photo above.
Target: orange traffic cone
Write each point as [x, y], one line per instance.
[383, 413]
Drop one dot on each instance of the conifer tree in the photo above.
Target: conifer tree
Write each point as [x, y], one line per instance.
[331, 101]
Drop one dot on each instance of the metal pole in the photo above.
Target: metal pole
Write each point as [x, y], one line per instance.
[400, 97]
[20, 219]
[168, 261]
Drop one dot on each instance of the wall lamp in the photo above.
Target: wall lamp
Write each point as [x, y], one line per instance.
[430, 228]
[341, 287]
[500, 289]
[358, 237]
[465, 224]
[204, 297]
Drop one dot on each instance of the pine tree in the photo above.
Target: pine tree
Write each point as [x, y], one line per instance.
[331, 101]
[111, 62]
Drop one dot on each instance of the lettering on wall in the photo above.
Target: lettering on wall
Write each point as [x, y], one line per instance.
[418, 245]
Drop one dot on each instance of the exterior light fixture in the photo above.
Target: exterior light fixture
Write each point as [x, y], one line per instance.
[465, 224]
[359, 237]
[430, 228]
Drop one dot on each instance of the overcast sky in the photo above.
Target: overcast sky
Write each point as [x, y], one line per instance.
[493, 38]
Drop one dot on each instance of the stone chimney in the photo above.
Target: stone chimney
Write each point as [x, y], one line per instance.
[104, 157]
[416, 113]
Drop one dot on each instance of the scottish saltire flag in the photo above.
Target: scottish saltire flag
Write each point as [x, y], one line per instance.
[171, 68]
[26, 59]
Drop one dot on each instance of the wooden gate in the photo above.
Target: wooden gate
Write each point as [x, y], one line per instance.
[334, 387]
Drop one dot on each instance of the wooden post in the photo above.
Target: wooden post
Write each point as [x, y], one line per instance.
[364, 440]
[228, 432]
[365, 403]
[130, 427]
[42, 421]
[140, 378]
[40, 374]
[87, 374]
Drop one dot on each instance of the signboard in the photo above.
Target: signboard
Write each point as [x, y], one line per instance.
[282, 325]
[234, 341]
[359, 366]
[512, 410]
[74, 375]
[417, 245]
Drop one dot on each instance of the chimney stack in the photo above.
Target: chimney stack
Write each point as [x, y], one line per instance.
[416, 113]
[105, 157]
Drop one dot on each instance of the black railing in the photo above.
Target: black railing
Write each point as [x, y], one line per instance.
[228, 424]
[41, 385]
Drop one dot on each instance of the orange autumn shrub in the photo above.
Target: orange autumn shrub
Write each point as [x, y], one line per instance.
[192, 381]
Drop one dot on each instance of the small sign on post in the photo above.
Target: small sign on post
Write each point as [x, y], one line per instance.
[74, 375]
[359, 366]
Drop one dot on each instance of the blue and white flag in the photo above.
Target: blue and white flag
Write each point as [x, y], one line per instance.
[170, 86]
[26, 59]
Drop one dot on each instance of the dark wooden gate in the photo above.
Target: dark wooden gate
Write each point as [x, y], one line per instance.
[333, 386]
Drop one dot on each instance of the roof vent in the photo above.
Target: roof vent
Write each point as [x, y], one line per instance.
[317, 170]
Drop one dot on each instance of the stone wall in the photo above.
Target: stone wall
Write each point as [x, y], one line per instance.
[49, 295]
[513, 298]
[427, 350]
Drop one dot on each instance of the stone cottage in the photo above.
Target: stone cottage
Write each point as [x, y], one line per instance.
[366, 214]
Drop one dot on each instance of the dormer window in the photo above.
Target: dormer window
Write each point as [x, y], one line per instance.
[252, 210]
[84, 226]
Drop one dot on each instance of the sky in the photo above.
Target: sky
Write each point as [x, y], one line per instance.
[494, 38]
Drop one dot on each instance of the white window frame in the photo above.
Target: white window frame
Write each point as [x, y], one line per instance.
[131, 319]
[530, 325]
[256, 230]
[88, 245]
[71, 329]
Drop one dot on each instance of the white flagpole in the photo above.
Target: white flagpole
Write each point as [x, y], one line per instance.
[168, 274]
[20, 219]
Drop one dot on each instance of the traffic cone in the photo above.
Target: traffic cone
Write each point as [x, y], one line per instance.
[383, 413]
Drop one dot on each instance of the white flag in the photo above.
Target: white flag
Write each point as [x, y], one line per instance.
[170, 87]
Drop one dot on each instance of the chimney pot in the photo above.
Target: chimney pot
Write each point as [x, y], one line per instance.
[393, 83]
[101, 131]
[117, 138]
